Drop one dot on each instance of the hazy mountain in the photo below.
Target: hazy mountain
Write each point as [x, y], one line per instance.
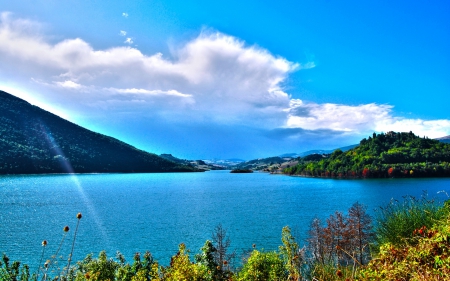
[316, 151]
[199, 164]
[444, 139]
[34, 141]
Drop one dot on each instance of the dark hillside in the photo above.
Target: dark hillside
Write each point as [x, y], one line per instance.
[34, 141]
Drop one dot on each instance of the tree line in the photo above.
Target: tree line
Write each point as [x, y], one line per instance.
[380, 156]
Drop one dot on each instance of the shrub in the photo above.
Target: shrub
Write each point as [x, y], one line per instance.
[182, 269]
[293, 256]
[263, 266]
[398, 220]
[426, 256]
[331, 272]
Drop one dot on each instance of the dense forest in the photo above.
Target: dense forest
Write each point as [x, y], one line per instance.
[382, 155]
[34, 141]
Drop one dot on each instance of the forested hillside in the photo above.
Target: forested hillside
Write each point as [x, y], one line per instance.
[34, 141]
[382, 155]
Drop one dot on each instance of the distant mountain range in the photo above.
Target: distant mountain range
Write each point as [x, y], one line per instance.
[316, 151]
[34, 141]
[199, 164]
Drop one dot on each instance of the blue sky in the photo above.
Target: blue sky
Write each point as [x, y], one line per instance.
[227, 79]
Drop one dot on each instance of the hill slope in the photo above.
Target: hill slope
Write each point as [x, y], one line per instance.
[383, 155]
[34, 141]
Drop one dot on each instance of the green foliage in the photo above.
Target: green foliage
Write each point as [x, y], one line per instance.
[182, 269]
[293, 256]
[263, 266]
[425, 256]
[206, 259]
[331, 272]
[13, 272]
[384, 155]
[103, 268]
[398, 220]
[34, 141]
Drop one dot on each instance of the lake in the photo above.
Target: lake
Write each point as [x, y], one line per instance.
[138, 212]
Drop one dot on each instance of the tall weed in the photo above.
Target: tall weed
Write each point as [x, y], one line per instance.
[397, 221]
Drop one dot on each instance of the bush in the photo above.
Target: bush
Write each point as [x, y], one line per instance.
[331, 272]
[425, 256]
[398, 220]
[263, 266]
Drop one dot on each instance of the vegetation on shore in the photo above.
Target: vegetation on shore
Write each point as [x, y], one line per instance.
[34, 141]
[381, 156]
[408, 240]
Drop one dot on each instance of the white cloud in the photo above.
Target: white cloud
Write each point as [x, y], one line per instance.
[429, 128]
[225, 78]
[361, 119]
[125, 15]
[129, 40]
[122, 33]
[68, 84]
[148, 92]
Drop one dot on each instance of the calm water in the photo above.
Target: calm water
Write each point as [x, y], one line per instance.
[138, 212]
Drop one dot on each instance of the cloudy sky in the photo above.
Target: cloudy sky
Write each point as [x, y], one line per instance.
[232, 79]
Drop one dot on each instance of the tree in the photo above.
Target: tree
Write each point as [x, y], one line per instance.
[360, 229]
[316, 243]
[222, 257]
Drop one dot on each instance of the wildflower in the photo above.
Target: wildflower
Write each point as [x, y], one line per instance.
[225, 262]
[87, 275]
[79, 216]
[339, 273]
[66, 228]
[44, 243]
[218, 267]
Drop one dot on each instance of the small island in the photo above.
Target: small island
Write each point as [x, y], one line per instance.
[241, 171]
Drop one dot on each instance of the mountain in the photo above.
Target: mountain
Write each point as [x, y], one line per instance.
[444, 139]
[316, 151]
[383, 155]
[34, 141]
[198, 164]
[261, 163]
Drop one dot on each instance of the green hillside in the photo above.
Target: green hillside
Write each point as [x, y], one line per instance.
[382, 155]
[34, 141]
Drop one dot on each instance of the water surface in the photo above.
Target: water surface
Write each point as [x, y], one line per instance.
[138, 212]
